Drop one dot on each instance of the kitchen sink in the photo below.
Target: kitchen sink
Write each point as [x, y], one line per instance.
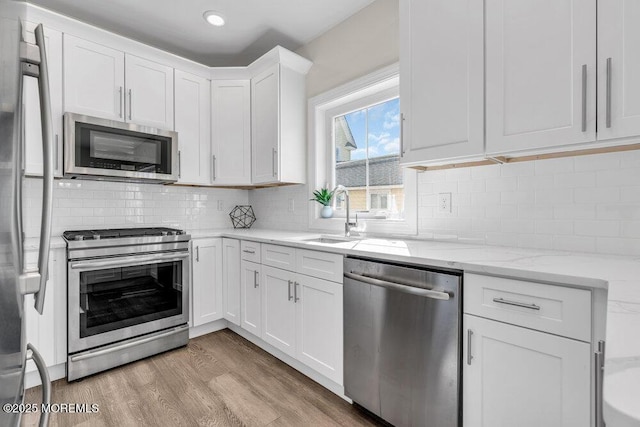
[330, 240]
[326, 240]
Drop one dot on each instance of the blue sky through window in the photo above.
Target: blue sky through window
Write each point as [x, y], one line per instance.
[383, 133]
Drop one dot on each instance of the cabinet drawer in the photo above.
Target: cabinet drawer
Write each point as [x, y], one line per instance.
[250, 251]
[279, 256]
[319, 264]
[549, 308]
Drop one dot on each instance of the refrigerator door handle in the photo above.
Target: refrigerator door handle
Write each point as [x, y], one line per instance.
[36, 281]
[46, 382]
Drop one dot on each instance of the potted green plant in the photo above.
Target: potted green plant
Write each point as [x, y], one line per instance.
[324, 196]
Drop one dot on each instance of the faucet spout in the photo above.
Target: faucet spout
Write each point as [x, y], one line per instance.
[348, 225]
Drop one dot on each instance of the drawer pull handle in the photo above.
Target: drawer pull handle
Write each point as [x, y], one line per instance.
[516, 303]
[248, 251]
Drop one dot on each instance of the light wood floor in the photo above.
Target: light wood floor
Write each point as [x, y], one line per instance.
[219, 379]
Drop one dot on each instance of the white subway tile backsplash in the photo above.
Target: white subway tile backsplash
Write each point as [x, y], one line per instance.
[519, 169]
[574, 243]
[618, 177]
[597, 195]
[509, 183]
[553, 166]
[91, 204]
[554, 226]
[575, 179]
[596, 228]
[599, 162]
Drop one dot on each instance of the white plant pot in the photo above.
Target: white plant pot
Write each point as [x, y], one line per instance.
[326, 212]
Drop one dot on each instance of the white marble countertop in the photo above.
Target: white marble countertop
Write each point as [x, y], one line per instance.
[619, 275]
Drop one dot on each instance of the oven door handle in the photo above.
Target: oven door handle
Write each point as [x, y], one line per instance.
[128, 261]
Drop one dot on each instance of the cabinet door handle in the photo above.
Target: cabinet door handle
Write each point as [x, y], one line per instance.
[274, 161]
[213, 167]
[120, 100]
[584, 98]
[289, 289]
[197, 253]
[598, 379]
[130, 104]
[296, 298]
[255, 279]
[179, 165]
[608, 100]
[516, 303]
[401, 134]
[469, 356]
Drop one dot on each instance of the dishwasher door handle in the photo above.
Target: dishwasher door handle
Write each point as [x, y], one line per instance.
[400, 287]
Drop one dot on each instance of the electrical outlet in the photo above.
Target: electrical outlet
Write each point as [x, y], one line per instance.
[220, 205]
[444, 202]
[292, 205]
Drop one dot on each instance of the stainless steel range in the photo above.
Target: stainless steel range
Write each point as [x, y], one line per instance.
[128, 296]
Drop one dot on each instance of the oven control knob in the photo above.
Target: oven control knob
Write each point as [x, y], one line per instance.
[79, 237]
[165, 233]
[96, 237]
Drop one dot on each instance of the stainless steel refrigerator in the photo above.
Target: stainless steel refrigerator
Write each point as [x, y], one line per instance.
[18, 61]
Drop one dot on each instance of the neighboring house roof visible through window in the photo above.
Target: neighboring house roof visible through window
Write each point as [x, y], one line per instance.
[384, 170]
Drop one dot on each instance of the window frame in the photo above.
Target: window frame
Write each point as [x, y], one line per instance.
[368, 90]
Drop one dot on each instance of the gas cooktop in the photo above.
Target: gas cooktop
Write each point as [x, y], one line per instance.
[115, 233]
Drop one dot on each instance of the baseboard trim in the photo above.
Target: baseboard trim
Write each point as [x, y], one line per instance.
[207, 328]
[56, 372]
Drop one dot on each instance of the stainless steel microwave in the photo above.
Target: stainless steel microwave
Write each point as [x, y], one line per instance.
[111, 150]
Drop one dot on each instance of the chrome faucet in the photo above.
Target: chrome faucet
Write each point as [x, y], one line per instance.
[348, 225]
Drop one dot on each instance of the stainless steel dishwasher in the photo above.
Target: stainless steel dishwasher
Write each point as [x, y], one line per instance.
[402, 349]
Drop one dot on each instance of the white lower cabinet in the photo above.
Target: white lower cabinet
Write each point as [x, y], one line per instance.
[231, 280]
[514, 376]
[298, 314]
[319, 326]
[250, 297]
[206, 280]
[279, 309]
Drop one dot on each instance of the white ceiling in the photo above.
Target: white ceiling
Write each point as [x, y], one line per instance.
[253, 26]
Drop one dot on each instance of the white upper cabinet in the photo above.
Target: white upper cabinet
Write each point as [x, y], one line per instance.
[265, 90]
[618, 69]
[192, 117]
[93, 79]
[540, 74]
[442, 79]
[231, 132]
[278, 124]
[149, 92]
[31, 102]
[95, 85]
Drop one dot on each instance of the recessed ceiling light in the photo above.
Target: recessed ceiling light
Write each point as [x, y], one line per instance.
[214, 18]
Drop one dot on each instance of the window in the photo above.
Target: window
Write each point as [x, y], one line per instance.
[367, 160]
[355, 134]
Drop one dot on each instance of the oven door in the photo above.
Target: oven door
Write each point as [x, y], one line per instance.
[114, 299]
